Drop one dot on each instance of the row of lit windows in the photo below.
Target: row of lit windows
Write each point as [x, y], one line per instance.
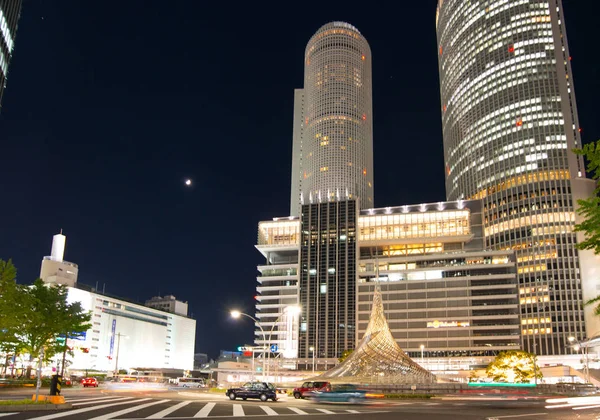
[279, 233]
[532, 331]
[529, 178]
[532, 269]
[531, 321]
[529, 290]
[473, 133]
[536, 257]
[528, 221]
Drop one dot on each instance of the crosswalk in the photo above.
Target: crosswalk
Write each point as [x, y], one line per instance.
[123, 408]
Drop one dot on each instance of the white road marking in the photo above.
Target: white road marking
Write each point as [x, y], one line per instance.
[238, 410]
[322, 410]
[297, 410]
[128, 410]
[269, 410]
[6, 414]
[76, 400]
[84, 410]
[205, 410]
[104, 400]
[353, 411]
[168, 410]
[516, 415]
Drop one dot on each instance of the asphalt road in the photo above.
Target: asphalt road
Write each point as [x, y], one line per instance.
[134, 403]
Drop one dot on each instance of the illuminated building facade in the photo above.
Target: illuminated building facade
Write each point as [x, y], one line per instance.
[279, 243]
[509, 125]
[332, 157]
[10, 11]
[443, 294]
[138, 336]
[440, 288]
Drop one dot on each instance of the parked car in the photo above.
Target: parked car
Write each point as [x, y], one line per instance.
[261, 390]
[89, 382]
[344, 393]
[309, 387]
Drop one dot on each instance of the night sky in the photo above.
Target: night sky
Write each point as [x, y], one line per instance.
[110, 105]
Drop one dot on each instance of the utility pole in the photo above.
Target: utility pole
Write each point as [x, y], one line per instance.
[117, 358]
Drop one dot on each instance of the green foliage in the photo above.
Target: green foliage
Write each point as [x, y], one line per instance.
[23, 402]
[345, 355]
[515, 366]
[589, 209]
[10, 305]
[49, 317]
[33, 317]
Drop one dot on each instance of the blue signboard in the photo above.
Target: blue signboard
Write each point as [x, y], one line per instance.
[274, 348]
[112, 337]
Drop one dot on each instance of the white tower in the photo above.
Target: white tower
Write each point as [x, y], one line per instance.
[333, 120]
[54, 269]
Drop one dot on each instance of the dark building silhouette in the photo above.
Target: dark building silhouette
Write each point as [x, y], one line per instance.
[10, 11]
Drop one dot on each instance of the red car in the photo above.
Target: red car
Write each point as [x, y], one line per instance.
[89, 382]
[311, 386]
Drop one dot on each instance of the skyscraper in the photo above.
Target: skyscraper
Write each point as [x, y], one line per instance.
[332, 156]
[509, 124]
[10, 10]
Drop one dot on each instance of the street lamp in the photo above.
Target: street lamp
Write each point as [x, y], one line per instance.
[236, 315]
[422, 348]
[119, 335]
[583, 346]
[288, 310]
[312, 349]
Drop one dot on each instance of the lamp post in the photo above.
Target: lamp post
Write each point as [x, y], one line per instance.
[422, 348]
[584, 348]
[288, 310]
[236, 315]
[117, 358]
[312, 349]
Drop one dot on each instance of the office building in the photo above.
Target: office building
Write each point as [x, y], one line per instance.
[128, 335]
[441, 289]
[510, 123]
[443, 294]
[54, 268]
[327, 279]
[123, 334]
[332, 157]
[10, 11]
[168, 303]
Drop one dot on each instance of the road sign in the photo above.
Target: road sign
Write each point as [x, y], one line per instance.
[274, 348]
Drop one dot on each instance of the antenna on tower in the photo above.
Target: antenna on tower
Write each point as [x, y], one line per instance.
[61, 231]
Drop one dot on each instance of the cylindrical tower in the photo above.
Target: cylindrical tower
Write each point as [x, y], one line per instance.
[509, 125]
[337, 139]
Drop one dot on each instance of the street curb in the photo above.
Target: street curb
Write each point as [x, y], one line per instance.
[34, 407]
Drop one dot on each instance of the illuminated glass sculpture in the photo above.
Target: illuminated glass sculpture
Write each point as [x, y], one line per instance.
[378, 358]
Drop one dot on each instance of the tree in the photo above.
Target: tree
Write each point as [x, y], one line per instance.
[11, 308]
[514, 366]
[589, 209]
[49, 316]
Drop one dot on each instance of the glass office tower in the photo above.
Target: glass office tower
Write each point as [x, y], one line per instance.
[332, 156]
[509, 125]
[327, 279]
[10, 10]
